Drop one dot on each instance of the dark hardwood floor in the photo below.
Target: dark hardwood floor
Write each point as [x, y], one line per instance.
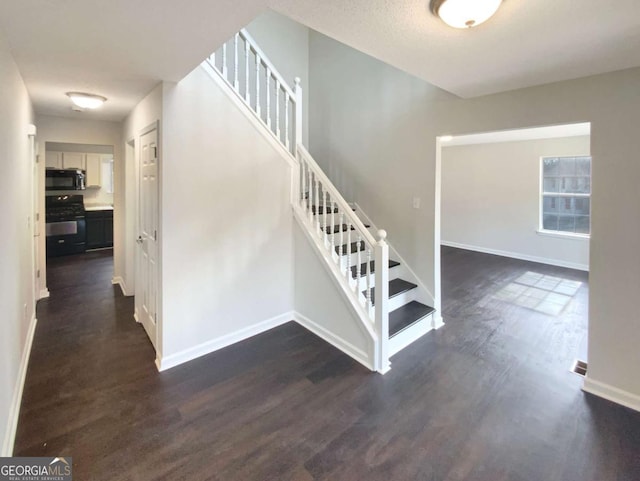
[487, 397]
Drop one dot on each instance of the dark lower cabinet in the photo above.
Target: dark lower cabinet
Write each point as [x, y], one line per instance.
[99, 228]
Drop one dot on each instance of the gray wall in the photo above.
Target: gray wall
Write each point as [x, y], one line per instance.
[373, 129]
[17, 298]
[491, 200]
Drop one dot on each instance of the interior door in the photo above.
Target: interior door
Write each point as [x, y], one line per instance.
[147, 241]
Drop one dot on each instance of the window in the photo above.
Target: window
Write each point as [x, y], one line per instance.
[107, 174]
[565, 201]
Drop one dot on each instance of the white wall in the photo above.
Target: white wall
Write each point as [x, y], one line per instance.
[226, 225]
[380, 147]
[82, 131]
[147, 112]
[491, 200]
[321, 305]
[286, 44]
[17, 298]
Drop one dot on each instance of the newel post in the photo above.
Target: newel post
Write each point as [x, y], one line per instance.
[382, 302]
[298, 125]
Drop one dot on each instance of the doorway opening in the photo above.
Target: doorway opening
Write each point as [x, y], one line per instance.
[79, 204]
[513, 222]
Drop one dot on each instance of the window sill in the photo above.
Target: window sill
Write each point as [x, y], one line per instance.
[563, 235]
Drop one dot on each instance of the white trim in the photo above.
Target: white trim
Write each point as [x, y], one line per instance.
[410, 334]
[253, 118]
[606, 391]
[438, 321]
[346, 347]
[14, 410]
[44, 293]
[120, 282]
[564, 235]
[516, 255]
[167, 362]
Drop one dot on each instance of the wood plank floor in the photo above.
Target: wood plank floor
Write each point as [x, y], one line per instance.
[487, 397]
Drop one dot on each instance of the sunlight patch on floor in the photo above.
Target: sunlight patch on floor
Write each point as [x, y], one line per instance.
[542, 293]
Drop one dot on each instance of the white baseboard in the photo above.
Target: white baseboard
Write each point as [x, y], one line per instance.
[123, 286]
[167, 362]
[346, 347]
[44, 294]
[516, 255]
[606, 391]
[14, 410]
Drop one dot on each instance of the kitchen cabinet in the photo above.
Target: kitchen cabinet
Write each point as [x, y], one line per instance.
[53, 160]
[74, 160]
[94, 169]
[99, 225]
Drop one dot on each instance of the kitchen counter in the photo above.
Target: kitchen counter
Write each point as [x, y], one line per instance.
[94, 207]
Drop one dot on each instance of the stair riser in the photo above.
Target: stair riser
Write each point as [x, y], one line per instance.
[412, 333]
[393, 273]
[402, 299]
[339, 241]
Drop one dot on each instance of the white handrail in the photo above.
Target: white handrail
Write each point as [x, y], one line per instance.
[336, 196]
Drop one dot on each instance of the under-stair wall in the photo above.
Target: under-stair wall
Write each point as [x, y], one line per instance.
[227, 245]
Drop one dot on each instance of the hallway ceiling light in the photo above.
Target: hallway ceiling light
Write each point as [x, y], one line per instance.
[464, 13]
[86, 101]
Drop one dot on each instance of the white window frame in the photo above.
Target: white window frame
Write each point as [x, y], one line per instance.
[557, 233]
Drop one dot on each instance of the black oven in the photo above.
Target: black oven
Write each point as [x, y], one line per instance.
[65, 225]
[64, 179]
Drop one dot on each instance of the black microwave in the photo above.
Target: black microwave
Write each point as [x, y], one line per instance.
[64, 179]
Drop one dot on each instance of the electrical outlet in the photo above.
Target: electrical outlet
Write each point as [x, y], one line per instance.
[416, 202]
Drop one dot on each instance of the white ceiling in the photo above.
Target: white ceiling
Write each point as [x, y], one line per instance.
[122, 48]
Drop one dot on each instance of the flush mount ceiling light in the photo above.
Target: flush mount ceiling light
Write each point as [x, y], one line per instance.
[86, 101]
[464, 13]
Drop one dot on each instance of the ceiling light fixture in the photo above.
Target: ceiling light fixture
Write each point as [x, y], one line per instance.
[86, 101]
[464, 13]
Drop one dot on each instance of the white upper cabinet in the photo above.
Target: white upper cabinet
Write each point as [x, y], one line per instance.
[94, 167]
[53, 160]
[74, 160]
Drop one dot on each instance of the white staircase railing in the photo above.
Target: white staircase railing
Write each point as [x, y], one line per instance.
[359, 261]
[248, 71]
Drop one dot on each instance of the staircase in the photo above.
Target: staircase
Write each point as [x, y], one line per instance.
[390, 301]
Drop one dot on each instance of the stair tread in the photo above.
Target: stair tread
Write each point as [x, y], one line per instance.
[339, 228]
[342, 250]
[396, 287]
[373, 267]
[407, 315]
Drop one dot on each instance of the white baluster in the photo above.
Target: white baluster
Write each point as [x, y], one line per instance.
[268, 98]
[342, 237]
[258, 62]
[278, 110]
[358, 264]
[286, 119]
[368, 274]
[303, 179]
[235, 62]
[317, 201]
[333, 222]
[298, 124]
[310, 195]
[224, 60]
[325, 215]
[247, 51]
[349, 275]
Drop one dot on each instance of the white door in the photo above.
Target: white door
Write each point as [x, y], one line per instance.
[147, 242]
